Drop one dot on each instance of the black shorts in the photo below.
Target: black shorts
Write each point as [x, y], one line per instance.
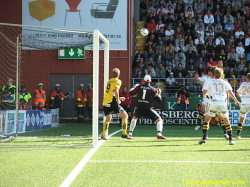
[146, 112]
[126, 108]
[112, 108]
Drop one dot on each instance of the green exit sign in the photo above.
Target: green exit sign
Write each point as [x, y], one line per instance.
[71, 53]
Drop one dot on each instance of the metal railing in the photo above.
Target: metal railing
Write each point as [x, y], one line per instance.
[194, 88]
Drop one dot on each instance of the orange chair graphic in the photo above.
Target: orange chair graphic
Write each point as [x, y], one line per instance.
[73, 4]
[42, 9]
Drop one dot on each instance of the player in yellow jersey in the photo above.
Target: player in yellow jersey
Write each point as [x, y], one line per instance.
[220, 65]
[111, 103]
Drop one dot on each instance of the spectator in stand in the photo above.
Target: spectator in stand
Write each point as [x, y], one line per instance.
[39, 96]
[247, 26]
[161, 47]
[237, 2]
[240, 50]
[171, 40]
[188, 12]
[161, 32]
[137, 58]
[237, 25]
[210, 39]
[234, 83]
[150, 17]
[229, 47]
[198, 12]
[222, 56]
[89, 102]
[160, 72]
[159, 25]
[179, 55]
[191, 44]
[189, 27]
[180, 69]
[209, 18]
[151, 25]
[201, 32]
[170, 10]
[144, 8]
[211, 62]
[181, 19]
[241, 40]
[231, 63]
[220, 47]
[170, 52]
[209, 48]
[150, 69]
[179, 39]
[197, 40]
[200, 61]
[228, 17]
[214, 56]
[139, 77]
[170, 82]
[161, 17]
[57, 97]
[162, 9]
[247, 46]
[172, 63]
[150, 63]
[190, 54]
[26, 96]
[241, 65]
[151, 9]
[219, 39]
[217, 27]
[244, 72]
[141, 64]
[199, 3]
[204, 55]
[169, 70]
[200, 69]
[150, 54]
[189, 64]
[180, 47]
[239, 32]
[242, 80]
[169, 32]
[235, 55]
[160, 58]
[229, 27]
[178, 31]
[179, 81]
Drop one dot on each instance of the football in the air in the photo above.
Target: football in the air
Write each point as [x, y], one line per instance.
[144, 32]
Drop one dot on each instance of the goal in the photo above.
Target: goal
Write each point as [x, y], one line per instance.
[22, 45]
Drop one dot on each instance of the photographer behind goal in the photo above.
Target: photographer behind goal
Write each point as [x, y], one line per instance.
[183, 100]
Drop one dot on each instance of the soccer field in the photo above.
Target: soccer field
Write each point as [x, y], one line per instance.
[142, 161]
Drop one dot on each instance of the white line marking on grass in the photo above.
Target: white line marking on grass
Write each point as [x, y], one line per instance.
[170, 161]
[71, 177]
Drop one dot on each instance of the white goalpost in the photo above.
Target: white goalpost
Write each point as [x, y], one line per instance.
[96, 37]
[24, 36]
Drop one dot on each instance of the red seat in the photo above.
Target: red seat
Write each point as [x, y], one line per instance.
[73, 4]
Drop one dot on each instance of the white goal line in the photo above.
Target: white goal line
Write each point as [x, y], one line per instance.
[168, 161]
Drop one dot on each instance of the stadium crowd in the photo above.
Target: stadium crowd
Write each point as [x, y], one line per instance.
[188, 36]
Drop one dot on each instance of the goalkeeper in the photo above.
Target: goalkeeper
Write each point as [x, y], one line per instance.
[146, 95]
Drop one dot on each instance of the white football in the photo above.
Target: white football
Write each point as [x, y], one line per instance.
[144, 32]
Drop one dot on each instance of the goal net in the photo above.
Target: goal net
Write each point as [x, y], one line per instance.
[54, 59]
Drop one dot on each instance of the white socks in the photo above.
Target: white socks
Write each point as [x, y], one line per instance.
[159, 127]
[132, 125]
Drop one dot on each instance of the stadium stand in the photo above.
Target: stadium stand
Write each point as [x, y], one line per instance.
[191, 36]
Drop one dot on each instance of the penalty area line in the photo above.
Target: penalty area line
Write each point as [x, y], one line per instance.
[71, 177]
[168, 161]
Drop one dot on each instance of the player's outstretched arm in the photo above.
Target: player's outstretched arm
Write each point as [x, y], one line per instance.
[157, 96]
[134, 90]
[238, 94]
[234, 98]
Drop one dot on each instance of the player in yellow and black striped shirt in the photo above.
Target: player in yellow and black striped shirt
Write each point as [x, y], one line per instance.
[111, 104]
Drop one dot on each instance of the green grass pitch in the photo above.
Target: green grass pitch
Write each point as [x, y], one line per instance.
[142, 161]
